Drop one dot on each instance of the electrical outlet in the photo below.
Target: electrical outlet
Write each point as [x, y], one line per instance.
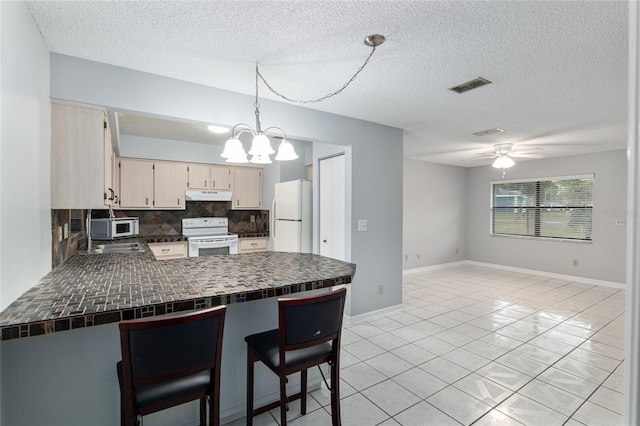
[406, 257]
[380, 289]
[575, 262]
[362, 225]
[620, 222]
[252, 218]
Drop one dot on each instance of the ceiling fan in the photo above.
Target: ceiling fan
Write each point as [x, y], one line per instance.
[504, 155]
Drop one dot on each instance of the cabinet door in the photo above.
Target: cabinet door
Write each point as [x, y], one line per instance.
[199, 176]
[247, 188]
[252, 245]
[221, 177]
[78, 164]
[136, 183]
[170, 182]
[109, 181]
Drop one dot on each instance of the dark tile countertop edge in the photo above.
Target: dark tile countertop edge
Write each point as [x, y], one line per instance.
[80, 293]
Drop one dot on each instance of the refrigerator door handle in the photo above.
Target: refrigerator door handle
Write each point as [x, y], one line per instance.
[273, 218]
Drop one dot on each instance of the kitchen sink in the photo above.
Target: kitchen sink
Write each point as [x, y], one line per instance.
[117, 248]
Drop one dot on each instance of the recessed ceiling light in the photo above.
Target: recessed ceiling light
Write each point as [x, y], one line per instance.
[489, 131]
[470, 85]
[217, 129]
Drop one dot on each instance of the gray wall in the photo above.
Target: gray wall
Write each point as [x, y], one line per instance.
[25, 196]
[604, 259]
[377, 152]
[434, 214]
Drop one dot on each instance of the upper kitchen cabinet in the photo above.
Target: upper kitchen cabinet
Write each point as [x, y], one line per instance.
[221, 178]
[246, 188]
[81, 157]
[169, 184]
[205, 176]
[136, 183]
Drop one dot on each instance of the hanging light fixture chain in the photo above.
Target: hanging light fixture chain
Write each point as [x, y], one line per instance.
[313, 101]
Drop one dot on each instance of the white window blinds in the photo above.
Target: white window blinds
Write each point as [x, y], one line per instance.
[546, 208]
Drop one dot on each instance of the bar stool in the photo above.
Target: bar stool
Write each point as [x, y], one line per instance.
[170, 360]
[308, 334]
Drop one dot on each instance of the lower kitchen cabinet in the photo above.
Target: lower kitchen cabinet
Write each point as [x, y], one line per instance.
[252, 245]
[169, 250]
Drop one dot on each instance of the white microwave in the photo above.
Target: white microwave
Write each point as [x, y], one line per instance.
[108, 229]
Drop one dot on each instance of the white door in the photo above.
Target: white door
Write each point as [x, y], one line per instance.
[286, 235]
[332, 207]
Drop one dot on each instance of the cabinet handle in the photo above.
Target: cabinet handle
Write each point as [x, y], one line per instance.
[254, 244]
[116, 199]
[113, 194]
[205, 183]
[237, 202]
[166, 250]
[213, 184]
[146, 201]
[178, 201]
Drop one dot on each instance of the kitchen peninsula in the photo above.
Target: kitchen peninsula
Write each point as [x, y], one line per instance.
[66, 325]
[97, 289]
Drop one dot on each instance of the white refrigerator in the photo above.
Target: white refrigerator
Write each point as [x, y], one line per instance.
[291, 217]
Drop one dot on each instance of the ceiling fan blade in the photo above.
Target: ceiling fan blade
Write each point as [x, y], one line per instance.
[526, 155]
[479, 158]
[529, 150]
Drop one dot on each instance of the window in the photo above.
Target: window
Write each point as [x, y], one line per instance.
[547, 208]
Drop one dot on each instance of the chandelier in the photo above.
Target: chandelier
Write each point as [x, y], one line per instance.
[261, 149]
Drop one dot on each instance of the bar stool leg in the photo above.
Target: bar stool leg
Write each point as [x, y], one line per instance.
[303, 392]
[283, 400]
[335, 396]
[250, 362]
[203, 411]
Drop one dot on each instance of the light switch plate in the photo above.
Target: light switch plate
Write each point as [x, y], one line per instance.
[362, 225]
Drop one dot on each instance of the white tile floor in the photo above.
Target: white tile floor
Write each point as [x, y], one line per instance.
[482, 346]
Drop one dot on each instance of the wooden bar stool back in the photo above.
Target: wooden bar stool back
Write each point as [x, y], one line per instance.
[170, 360]
[308, 335]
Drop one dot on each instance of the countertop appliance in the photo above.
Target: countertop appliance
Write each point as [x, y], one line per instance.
[208, 236]
[207, 195]
[291, 213]
[117, 227]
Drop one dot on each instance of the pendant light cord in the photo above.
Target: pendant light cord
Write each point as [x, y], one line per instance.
[311, 101]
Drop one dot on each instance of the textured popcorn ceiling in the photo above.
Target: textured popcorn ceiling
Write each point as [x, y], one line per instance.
[559, 68]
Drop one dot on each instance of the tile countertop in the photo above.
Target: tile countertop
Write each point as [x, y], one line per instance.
[95, 289]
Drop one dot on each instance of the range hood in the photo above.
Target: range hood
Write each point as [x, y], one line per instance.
[207, 195]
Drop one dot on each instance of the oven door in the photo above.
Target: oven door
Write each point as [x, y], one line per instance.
[211, 246]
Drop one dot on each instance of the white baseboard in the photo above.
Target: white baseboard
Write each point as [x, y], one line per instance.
[434, 267]
[522, 270]
[347, 320]
[551, 275]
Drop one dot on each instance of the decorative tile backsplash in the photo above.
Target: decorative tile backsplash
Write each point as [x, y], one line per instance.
[75, 220]
[153, 223]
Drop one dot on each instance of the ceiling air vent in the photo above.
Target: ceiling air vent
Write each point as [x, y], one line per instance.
[470, 85]
[488, 132]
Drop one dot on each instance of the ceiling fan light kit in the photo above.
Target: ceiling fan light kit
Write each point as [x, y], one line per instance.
[261, 145]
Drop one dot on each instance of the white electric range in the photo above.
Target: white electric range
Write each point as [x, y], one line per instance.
[208, 236]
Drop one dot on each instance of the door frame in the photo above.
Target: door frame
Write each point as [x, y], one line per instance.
[322, 151]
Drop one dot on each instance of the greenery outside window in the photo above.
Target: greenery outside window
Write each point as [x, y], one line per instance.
[558, 208]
